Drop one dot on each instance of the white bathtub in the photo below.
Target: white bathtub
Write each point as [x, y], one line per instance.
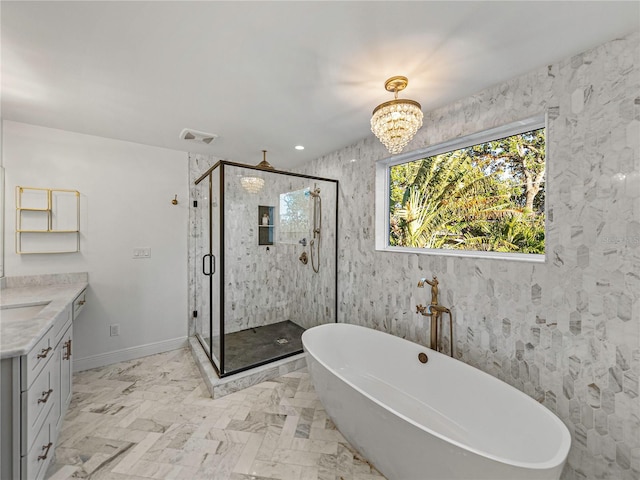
[440, 420]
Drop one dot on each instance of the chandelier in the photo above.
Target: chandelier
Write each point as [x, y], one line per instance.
[255, 184]
[396, 122]
[252, 184]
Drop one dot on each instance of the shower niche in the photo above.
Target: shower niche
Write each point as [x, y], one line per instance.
[253, 303]
[265, 225]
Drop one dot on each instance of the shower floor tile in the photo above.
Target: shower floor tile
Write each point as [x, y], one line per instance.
[153, 418]
[256, 345]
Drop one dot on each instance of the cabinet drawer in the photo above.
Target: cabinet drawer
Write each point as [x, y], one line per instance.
[32, 363]
[35, 463]
[60, 324]
[78, 303]
[37, 402]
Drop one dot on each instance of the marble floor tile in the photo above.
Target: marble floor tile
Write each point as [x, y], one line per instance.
[152, 418]
[65, 472]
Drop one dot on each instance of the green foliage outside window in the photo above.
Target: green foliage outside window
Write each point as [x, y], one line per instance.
[487, 197]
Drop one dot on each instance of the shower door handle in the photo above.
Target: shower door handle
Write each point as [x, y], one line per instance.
[212, 264]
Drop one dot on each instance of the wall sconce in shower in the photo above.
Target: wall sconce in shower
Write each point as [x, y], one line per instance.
[396, 122]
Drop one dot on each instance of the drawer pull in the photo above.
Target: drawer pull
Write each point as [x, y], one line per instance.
[46, 451]
[67, 354]
[45, 396]
[44, 353]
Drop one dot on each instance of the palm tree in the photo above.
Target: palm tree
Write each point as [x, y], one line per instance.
[512, 233]
[476, 198]
[447, 192]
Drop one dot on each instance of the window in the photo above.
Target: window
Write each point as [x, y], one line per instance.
[481, 195]
[294, 216]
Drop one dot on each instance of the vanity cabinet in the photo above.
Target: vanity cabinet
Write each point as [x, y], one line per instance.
[40, 404]
[35, 396]
[64, 374]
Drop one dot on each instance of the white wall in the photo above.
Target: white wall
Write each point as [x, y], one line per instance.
[126, 192]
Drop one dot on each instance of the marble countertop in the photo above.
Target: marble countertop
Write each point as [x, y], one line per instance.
[18, 336]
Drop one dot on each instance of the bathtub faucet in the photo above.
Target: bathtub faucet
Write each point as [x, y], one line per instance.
[435, 311]
[434, 288]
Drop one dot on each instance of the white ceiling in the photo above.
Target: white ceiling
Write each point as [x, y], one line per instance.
[272, 75]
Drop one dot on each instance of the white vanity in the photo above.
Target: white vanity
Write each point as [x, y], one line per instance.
[36, 348]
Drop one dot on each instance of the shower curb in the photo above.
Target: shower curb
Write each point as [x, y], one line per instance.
[219, 387]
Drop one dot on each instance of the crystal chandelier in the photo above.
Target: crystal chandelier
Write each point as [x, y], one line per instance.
[255, 184]
[252, 184]
[396, 122]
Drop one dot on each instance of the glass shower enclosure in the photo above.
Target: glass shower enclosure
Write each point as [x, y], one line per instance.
[267, 269]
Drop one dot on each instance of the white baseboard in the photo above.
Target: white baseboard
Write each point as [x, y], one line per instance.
[103, 359]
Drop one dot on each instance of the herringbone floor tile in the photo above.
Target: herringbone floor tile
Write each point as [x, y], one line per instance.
[153, 418]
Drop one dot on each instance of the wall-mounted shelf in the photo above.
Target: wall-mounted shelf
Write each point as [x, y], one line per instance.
[47, 220]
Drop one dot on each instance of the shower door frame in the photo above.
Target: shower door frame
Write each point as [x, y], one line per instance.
[220, 263]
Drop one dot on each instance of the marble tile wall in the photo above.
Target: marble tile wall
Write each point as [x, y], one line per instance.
[566, 332]
[264, 285]
[314, 300]
[258, 278]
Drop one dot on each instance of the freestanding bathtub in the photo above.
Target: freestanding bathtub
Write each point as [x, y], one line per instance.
[439, 420]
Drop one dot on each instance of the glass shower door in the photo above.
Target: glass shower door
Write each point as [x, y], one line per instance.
[207, 254]
[255, 291]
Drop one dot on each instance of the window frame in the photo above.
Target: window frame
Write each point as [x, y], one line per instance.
[382, 186]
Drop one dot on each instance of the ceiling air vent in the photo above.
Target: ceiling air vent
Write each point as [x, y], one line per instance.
[197, 136]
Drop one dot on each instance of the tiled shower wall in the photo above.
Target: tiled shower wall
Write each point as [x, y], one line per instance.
[567, 332]
[265, 284]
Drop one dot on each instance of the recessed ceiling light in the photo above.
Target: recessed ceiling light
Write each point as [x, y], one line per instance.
[299, 147]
